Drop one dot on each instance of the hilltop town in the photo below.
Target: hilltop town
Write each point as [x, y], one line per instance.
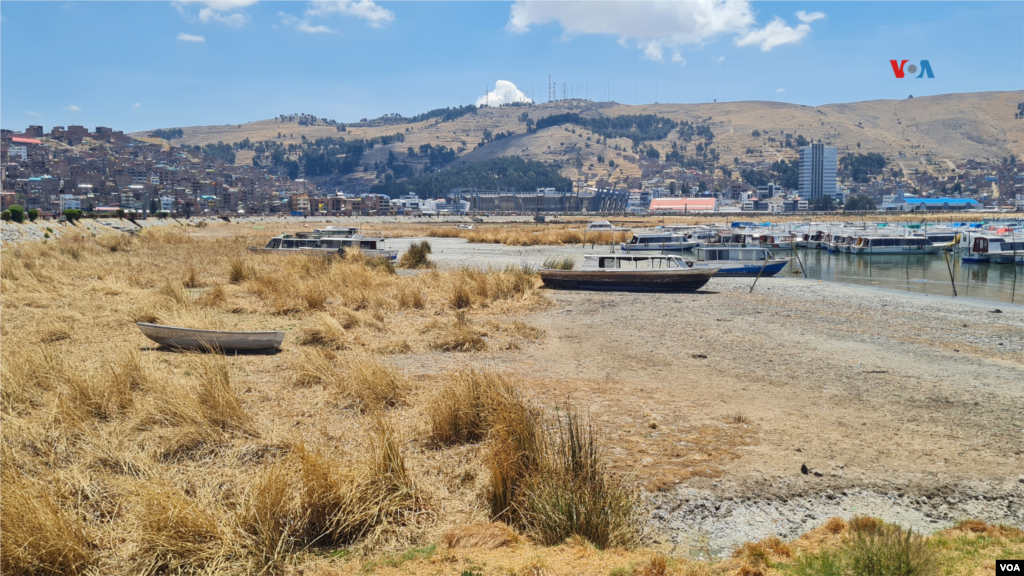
[564, 156]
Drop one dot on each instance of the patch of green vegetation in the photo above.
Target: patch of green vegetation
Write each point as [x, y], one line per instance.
[396, 560]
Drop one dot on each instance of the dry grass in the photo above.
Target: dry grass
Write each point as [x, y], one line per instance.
[416, 256]
[128, 459]
[526, 235]
[360, 379]
[488, 536]
[467, 406]
[37, 536]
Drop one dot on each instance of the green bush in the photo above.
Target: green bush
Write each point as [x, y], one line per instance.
[72, 214]
[875, 549]
[33, 215]
[571, 493]
[5, 215]
[17, 213]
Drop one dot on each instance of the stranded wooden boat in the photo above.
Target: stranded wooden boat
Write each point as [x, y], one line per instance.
[630, 273]
[174, 337]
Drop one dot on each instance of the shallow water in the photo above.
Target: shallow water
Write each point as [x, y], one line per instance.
[922, 273]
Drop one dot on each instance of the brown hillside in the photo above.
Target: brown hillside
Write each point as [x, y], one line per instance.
[947, 127]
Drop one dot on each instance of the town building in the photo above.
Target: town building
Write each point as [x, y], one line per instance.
[818, 166]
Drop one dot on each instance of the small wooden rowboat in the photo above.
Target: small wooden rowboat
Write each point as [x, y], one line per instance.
[174, 337]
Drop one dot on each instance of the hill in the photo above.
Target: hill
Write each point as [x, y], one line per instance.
[950, 127]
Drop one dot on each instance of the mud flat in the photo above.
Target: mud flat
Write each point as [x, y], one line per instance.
[904, 406]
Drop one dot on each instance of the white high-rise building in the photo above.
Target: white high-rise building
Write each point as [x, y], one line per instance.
[817, 171]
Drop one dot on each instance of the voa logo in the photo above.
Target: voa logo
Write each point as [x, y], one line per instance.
[1005, 567]
[898, 70]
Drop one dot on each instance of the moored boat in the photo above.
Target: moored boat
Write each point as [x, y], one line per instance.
[630, 273]
[372, 247]
[191, 338]
[895, 245]
[659, 242]
[740, 262]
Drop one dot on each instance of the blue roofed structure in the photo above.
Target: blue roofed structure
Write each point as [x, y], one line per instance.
[932, 204]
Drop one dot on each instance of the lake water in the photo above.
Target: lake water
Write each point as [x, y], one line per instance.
[923, 273]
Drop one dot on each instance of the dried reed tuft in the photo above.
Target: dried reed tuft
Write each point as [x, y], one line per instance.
[242, 269]
[325, 331]
[176, 533]
[37, 537]
[487, 536]
[570, 492]
[416, 256]
[457, 334]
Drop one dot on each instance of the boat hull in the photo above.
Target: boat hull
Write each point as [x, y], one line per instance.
[175, 337]
[933, 249]
[751, 270]
[626, 281]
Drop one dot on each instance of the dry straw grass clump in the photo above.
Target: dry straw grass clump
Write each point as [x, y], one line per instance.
[37, 536]
[456, 333]
[488, 536]
[548, 477]
[184, 419]
[360, 378]
[417, 256]
[176, 532]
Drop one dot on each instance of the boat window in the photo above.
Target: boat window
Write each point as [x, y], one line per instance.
[288, 244]
[608, 263]
[275, 243]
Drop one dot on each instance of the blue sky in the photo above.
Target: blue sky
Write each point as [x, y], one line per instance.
[141, 65]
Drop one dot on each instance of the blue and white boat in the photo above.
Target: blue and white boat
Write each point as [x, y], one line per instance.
[740, 262]
[659, 242]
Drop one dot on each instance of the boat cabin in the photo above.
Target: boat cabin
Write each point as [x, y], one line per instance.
[616, 262]
[656, 239]
[733, 254]
[892, 242]
[287, 242]
[357, 241]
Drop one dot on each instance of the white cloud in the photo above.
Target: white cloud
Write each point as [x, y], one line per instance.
[780, 90]
[677, 57]
[652, 50]
[365, 9]
[504, 92]
[777, 33]
[302, 25]
[31, 113]
[190, 38]
[228, 12]
[137, 105]
[808, 18]
[73, 108]
[655, 26]
[720, 59]
[376, 16]
[306, 27]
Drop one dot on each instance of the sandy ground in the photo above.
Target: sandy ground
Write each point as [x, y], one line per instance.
[906, 406]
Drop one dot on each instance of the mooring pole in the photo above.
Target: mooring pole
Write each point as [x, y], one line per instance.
[946, 254]
[759, 272]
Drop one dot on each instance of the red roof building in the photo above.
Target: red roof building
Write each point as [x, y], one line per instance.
[684, 204]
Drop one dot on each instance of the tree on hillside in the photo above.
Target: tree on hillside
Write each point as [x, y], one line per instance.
[859, 202]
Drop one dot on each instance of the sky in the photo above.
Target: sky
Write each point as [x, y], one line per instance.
[143, 65]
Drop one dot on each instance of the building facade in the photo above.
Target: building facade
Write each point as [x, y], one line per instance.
[818, 171]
